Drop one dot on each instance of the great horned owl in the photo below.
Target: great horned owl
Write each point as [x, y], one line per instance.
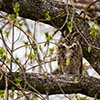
[69, 55]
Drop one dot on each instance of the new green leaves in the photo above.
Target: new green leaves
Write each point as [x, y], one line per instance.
[16, 8]
[89, 48]
[7, 33]
[48, 37]
[69, 26]
[67, 61]
[3, 54]
[94, 30]
[2, 93]
[47, 16]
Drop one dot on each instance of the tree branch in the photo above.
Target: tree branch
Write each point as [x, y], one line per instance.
[53, 84]
[83, 6]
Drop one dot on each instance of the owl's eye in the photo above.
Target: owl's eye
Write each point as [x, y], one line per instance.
[63, 47]
[76, 34]
[65, 33]
[74, 45]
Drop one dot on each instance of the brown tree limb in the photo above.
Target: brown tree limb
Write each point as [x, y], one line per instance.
[52, 84]
[84, 6]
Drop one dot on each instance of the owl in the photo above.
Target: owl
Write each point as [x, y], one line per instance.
[69, 55]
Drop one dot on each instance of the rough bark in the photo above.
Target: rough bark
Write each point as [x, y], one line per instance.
[53, 84]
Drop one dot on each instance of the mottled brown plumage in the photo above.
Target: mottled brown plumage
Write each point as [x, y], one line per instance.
[69, 54]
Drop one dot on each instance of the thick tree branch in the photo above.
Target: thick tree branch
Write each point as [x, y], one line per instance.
[52, 84]
[83, 6]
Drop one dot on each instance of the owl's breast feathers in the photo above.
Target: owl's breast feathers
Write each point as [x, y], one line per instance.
[69, 56]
